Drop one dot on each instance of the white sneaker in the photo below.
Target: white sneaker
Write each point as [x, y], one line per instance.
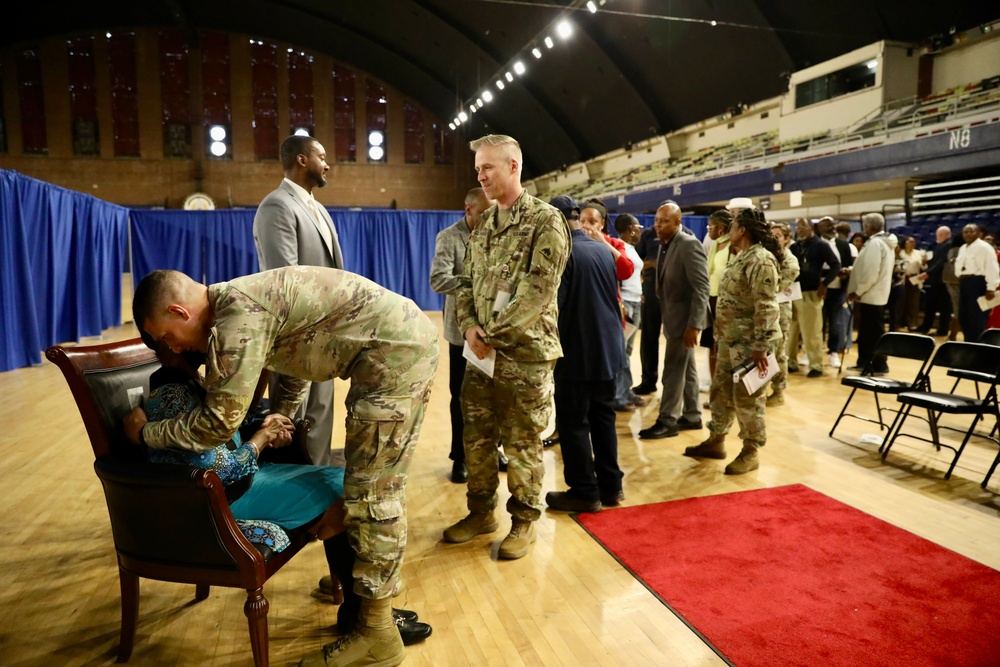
[834, 360]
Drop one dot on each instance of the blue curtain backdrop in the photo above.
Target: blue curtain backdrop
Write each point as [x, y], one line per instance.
[393, 248]
[61, 255]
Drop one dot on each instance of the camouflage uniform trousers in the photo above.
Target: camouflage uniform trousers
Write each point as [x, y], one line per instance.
[382, 430]
[780, 379]
[729, 399]
[512, 407]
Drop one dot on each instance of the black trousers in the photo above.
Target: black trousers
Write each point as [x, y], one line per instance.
[585, 417]
[938, 301]
[456, 373]
[870, 328]
[652, 325]
[972, 317]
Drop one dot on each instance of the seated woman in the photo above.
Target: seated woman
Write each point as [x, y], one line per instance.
[289, 495]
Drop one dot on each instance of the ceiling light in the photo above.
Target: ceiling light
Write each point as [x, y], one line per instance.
[217, 133]
[500, 85]
[548, 42]
[301, 132]
[591, 6]
[519, 67]
[564, 29]
[375, 138]
[487, 96]
[479, 103]
[536, 52]
[462, 116]
[376, 153]
[715, 23]
[451, 126]
[509, 76]
[872, 64]
[472, 108]
[218, 148]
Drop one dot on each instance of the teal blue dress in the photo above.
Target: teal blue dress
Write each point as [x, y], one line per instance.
[286, 494]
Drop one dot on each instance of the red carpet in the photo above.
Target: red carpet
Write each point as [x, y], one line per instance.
[788, 576]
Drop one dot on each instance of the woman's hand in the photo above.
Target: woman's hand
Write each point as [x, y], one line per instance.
[276, 431]
[760, 361]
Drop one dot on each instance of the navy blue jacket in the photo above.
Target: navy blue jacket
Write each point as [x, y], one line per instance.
[590, 320]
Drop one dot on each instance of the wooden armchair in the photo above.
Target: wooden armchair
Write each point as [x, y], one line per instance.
[170, 522]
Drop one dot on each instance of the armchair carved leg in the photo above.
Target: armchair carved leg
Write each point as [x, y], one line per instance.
[130, 613]
[201, 592]
[256, 612]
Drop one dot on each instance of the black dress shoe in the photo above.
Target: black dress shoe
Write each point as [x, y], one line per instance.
[658, 430]
[548, 442]
[411, 631]
[562, 501]
[404, 615]
[612, 499]
[638, 402]
[347, 617]
[625, 407]
[643, 389]
[685, 425]
[502, 460]
[459, 473]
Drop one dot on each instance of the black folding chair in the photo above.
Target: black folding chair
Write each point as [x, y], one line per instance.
[961, 356]
[989, 337]
[901, 345]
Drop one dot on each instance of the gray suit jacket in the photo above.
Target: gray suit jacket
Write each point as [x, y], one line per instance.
[682, 285]
[447, 266]
[286, 233]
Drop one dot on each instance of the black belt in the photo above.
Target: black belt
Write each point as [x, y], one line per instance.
[970, 276]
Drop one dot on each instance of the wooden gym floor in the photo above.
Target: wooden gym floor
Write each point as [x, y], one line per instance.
[567, 603]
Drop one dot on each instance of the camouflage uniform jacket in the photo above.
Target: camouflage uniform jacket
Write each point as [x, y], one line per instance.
[746, 313]
[788, 271]
[308, 323]
[524, 257]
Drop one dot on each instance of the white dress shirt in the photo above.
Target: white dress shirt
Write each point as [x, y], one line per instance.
[979, 259]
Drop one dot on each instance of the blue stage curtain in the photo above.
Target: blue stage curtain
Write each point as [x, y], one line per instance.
[229, 247]
[60, 277]
[167, 240]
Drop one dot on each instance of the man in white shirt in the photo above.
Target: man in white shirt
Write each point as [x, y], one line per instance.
[629, 230]
[870, 282]
[978, 275]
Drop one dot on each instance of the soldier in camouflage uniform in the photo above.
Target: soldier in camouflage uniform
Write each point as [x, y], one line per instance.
[787, 273]
[745, 329]
[506, 303]
[310, 324]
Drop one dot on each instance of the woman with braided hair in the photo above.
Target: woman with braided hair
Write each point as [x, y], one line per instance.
[746, 328]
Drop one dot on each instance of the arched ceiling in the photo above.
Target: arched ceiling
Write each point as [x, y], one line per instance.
[635, 69]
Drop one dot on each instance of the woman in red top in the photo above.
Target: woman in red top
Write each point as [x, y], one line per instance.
[594, 218]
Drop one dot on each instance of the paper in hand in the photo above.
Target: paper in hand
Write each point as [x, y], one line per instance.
[991, 303]
[754, 380]
[484, 365]
[793, 293]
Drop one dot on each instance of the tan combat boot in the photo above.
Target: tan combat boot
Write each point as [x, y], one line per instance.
[776, 398]
[477, 523]
[517, 542]
[745, 462]
[712, 448]
[375, 642]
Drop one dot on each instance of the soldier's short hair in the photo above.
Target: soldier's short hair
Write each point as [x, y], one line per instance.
[151, 296]
[624, 221]
[509, 144]
[472, 195]
[843, 228]
[293, 147]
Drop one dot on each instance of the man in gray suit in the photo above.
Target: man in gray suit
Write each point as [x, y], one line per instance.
[682, 290]
[292, 229]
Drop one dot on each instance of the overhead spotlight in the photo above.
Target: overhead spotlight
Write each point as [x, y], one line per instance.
[457, 121]
[500, 85]
[472, 108]
[872, 64]
[108, 35]
[715, 23]
[591, 6]
[289, 50]
[218, 148]
[301, 132]
[479, 103]
[536, 52]
[462, 116]
[564, 29]
[487, 96]
[451, 126]
[375, 138]
[217, 133]
[519, 68]
[509, 77]
[549, 43]
[375, 153]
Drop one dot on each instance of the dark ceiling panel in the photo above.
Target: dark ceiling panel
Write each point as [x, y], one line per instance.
[635, 69]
